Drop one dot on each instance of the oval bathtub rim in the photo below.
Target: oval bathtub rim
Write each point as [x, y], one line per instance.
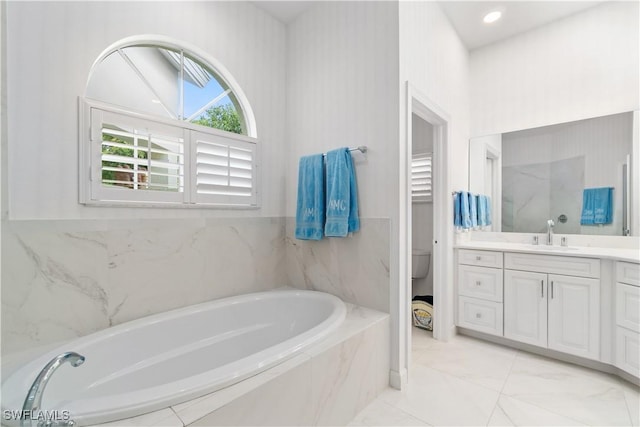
[282, 353]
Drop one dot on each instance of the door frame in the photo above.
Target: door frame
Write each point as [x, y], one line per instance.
[442, 254]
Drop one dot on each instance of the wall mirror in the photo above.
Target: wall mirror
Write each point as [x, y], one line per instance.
[533, 175]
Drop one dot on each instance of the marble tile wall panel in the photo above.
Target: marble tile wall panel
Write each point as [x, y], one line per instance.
[64, 279]
[347, 377]
[354, 268]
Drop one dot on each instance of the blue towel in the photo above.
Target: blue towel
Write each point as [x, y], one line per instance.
[311, 209]
[597, 206]
[487, 201]
[482, 210]
[465, 212]
[342, 194]
[473, 210]
[457, 216]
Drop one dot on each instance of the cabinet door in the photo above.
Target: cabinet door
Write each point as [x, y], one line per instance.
[574, 315]
[525, 307]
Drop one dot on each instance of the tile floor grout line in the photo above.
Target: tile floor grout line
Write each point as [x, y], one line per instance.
[541, 407]
[504, 383]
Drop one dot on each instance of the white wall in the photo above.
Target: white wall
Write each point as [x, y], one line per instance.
[582, 66]
[435, 61]
[342, 69]
[341, 73]
[51, 48]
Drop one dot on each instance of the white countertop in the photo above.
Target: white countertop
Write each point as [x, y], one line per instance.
[630, 255]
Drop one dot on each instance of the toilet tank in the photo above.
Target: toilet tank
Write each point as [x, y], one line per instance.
[420, 260]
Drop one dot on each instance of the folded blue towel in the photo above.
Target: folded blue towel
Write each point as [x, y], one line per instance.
[473, 210]
[457, 216]
[465, 211]
[482, 210]
[310, 210]
[342, 194]
[597, 206]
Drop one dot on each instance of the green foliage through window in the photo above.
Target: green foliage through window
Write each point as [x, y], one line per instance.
[224, 117]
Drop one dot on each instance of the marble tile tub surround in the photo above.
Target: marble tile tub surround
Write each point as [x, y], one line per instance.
[64, 279]
[355, 268]
[326, 384]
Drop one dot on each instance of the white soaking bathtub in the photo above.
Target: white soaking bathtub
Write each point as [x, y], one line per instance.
[169, 358]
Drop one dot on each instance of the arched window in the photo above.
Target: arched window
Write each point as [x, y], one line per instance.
[167, 126]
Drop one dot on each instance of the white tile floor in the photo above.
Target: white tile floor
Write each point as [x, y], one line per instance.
[471, 382]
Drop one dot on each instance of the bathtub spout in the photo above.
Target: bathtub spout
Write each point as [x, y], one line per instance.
[31, 408]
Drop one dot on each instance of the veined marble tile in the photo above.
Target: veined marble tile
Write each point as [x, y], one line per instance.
[161, 418]
[476, 361]
[443, 399]
[197, 409]
[354, 268]
[285, 400]
[632, 397]
[53, 286]
[379, 413]
[357, 320]
[346, 378]
[126, 270]
[579, 393]
[513, 412]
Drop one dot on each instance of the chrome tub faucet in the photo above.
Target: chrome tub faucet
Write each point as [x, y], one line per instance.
[32, 404]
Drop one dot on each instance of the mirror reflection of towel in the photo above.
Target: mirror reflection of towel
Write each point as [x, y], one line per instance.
[597, 206]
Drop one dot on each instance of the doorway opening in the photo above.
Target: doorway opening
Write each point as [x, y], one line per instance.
[432, 129]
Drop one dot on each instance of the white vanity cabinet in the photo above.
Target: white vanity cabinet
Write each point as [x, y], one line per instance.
[628, 317]
[480, 291]
[554, 303]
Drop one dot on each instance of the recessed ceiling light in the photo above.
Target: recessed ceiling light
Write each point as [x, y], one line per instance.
[492, 17]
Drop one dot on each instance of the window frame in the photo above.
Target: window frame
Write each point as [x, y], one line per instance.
[90, 164]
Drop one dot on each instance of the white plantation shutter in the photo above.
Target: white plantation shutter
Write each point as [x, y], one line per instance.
[421, 175]
[225, 169]
[134, 159]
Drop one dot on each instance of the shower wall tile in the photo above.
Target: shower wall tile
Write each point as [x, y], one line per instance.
[59, 283]
[354, 268]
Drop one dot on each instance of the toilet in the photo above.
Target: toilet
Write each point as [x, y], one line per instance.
[421, 305]
[420, 262]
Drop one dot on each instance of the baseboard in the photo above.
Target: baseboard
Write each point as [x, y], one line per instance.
[398, 380]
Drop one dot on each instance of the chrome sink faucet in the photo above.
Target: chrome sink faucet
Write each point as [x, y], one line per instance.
[33, 401]
[550, 225]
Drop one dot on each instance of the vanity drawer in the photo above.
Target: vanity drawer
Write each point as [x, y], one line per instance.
[569, 266]
[480, 315]
[480, 258]
[628, 306]
[480, 282]
[627, 272]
